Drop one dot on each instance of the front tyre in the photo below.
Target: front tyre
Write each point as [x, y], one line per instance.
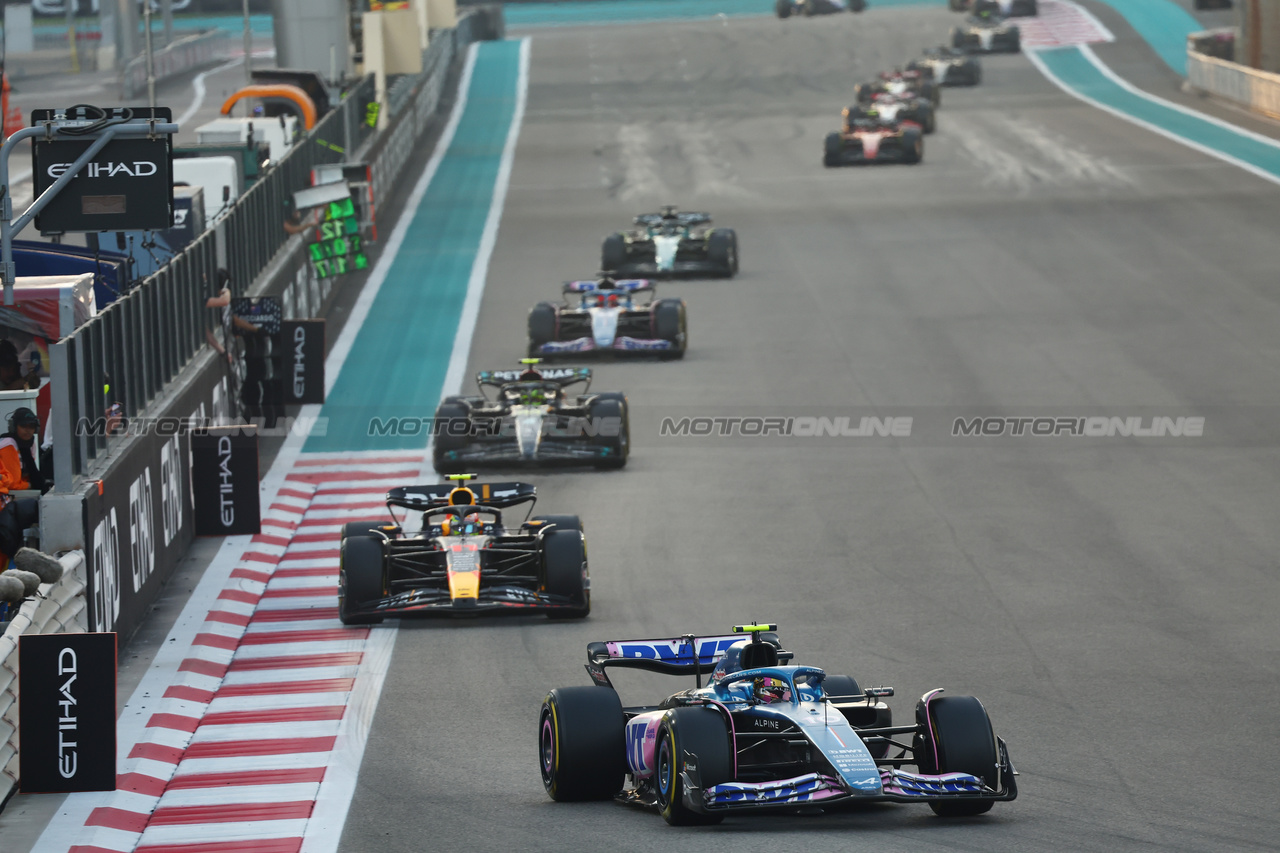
[722, 251]
[613, 254]
[582, 743]
[783, 8]
[670, 324]
[957, 738]
[615, 441]
[832, 150]
[913, 146]
[359, 578]
[701, 733]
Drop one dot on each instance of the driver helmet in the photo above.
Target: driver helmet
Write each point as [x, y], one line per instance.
[454, 525]
[533, 397]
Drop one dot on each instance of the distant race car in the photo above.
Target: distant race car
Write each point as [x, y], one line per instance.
[526, 417]
[913, 110]
[911, 83]
[987, 32]
[787, 8]
[466, 560]
[948, 66]
[1006, 8]
[761, 735]
[670, 243]
[609, 315]
[867, 137]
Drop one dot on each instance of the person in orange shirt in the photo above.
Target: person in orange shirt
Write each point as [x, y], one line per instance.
[18, 471]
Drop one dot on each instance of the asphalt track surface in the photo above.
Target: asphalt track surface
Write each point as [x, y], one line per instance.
[1111, 601]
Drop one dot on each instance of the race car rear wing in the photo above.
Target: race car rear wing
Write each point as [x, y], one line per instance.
[497, 495]
[687, 218]
[562, 376]
[628, 285]
[669, 656]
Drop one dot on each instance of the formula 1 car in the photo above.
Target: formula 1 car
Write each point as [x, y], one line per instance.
[869, 138]
[670, 243]
[1006, 8]
[609, 315]
[985, 31]
[908, 110]
[912, 83]
[526, 417]
[465, 561]
[808, 8]
[761, 735]
[948, 66]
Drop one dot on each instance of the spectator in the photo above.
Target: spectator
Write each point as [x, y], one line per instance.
[18, 471]
[11, 378]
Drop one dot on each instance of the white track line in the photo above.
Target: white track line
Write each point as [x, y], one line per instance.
[1167, 134]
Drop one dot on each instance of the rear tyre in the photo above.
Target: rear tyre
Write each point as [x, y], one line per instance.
[783, 8]
[542, 324]
[857, 5]
[928, 118]
[613, 255]
[670, 324]
[453, 436]
[359, 578]
[582, 743]
[564, 558]
[722, 251]
[1017, 42]
[613, 413]
[957, 738]
[700, 731]
[931, 90]
[832, 149]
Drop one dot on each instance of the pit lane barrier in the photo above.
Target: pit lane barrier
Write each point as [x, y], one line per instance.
[57, 608]
[1211, 70]
[177, 58]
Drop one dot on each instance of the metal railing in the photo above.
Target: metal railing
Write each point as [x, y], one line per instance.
[58, 609]
[131, 351]
[184, 54]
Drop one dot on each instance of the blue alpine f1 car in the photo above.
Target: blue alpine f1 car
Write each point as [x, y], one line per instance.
[762, 734]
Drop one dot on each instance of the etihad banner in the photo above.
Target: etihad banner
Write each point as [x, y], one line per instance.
[224, 481]
[67, 715]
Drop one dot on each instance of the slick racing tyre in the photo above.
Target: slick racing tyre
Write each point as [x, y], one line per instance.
[359, 578]
[669, 324]
[912, 145]
[454, 434]
[957, 738]
[928, 118]
[561, 522]
[697, 731]
[542, 324]
[722, 251]
[857, 5]
[832, 150]
[931, 90]
[957, 37]
[582, 743]
[956, 5]
[613, 254]
[1016, 45]
[783, 8]
[613, 430]
[564, 558]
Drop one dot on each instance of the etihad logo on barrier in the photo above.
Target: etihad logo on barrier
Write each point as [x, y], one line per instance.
[136, 169]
